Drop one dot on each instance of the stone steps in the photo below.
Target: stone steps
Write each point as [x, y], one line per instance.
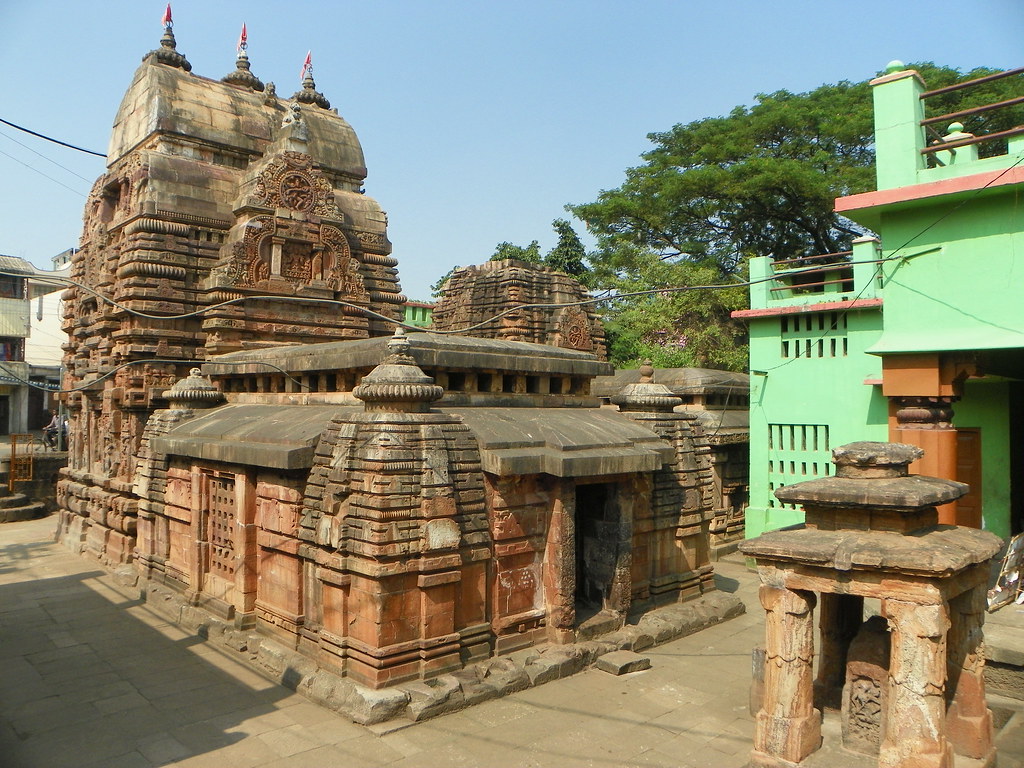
[26, 510]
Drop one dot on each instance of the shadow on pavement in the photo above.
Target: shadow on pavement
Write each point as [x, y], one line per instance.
[91, 678]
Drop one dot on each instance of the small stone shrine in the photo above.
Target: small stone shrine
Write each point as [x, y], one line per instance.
[721, 402]
[908, 684]
[463, 498]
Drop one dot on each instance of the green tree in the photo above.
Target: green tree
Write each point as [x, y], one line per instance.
[569, 255]
[758, 182]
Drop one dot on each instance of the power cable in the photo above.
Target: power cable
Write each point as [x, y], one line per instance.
[893, 257]
[50, 138]
[44, 175]
[47, 159]
[55, 280]
[606, 297]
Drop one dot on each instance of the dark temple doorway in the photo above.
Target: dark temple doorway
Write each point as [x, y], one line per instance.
[596, 545]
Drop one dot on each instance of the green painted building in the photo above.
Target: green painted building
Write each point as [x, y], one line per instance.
[418, 313]
[918, 338]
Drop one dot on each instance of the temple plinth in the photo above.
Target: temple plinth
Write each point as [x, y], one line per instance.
[916, 697]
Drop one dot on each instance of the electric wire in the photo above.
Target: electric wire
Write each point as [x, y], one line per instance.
[894, 257]
[44, 175]
[606, 297]
[51, 139]
[58, 281]
[47, 159]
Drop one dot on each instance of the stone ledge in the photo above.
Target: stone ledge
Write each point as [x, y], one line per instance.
[422, 699]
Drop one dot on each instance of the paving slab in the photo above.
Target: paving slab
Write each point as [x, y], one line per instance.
[94, 680]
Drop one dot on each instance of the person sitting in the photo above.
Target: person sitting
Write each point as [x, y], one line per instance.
[50, 431]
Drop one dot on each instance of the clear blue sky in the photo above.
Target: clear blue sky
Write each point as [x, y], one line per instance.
[479, 120]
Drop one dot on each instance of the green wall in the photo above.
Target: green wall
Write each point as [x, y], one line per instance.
[802, 408]
[959, 287]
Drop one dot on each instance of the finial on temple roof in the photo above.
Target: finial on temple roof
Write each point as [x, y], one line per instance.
[646, 372]
[242, 76]
[168, 53]
[309, 94]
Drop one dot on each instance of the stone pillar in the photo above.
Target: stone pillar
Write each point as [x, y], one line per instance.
[839, 618]
[968, 719]
[914, 725]
[927, 422]
[788, 726]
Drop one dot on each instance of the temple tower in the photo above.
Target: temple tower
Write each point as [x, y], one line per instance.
[220, 199]
[509, 300]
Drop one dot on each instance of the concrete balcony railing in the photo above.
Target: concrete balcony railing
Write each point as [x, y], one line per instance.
[911, 148]
[834, 277]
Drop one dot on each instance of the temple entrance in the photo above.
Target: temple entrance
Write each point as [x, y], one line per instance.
[601, 543]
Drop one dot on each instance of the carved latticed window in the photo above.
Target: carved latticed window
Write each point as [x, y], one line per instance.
[220, 524]
[816, 334]
[796, 452]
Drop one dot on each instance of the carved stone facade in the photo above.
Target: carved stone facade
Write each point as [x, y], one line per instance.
[215, 193]
[514, 293]
[910, 681]
[719, 402]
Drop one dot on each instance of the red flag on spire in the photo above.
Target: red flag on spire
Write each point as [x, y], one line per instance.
[167, 21]
[307, 65]
[243, 38]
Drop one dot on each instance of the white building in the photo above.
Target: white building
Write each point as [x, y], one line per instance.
[30, 343]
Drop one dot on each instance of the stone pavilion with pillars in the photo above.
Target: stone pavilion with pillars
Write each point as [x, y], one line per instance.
[908, 685]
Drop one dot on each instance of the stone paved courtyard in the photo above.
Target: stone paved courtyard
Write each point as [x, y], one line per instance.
[91, 679]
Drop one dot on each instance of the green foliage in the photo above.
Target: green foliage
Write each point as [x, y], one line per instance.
[762, 181]
[438, 288]
[568, 255]
[530, 253]
[678, 328]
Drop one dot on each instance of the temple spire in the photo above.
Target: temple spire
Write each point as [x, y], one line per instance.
[242, 76]
[168, 53]
[309, 94]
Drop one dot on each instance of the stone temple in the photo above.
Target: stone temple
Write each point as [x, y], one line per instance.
[250, 432]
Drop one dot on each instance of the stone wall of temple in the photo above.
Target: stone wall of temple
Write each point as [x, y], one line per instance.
[393, 553]
[216, 192]
[506, 292]
[671, 538]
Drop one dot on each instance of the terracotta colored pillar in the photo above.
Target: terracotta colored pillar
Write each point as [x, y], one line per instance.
[913, 727]
[839, 618]
[968, 719]
[788, 726]
[927, 422]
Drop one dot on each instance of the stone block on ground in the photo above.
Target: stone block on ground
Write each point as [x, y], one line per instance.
[434, 697]
[623, 662]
